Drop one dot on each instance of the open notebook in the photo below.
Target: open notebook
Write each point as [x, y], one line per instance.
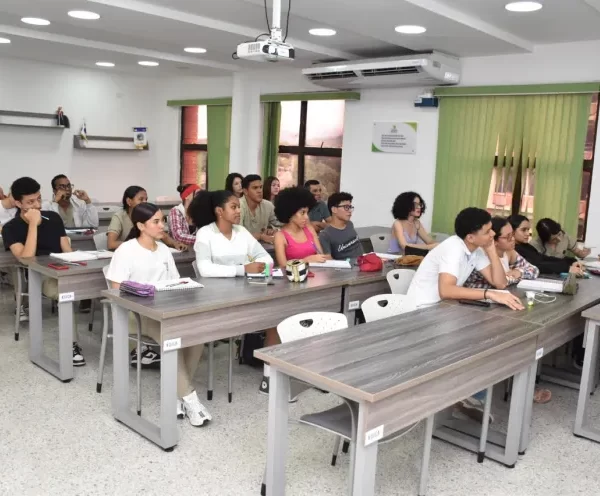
[332, 264]
[177, 284]
[82, 256]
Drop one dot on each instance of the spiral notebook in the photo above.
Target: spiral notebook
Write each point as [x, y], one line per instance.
[180, 284]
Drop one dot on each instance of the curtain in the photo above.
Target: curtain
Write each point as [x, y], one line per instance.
[270, 144]
[469, 131]
[555, 132]
[218, 136]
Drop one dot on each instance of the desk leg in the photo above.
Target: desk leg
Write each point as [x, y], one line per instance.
[120, 390]
[429, 423]
[527, 413]
[277, 434]
[63, 369]
[588, 379]
[364, 460]
[168, 399]
[516, 415]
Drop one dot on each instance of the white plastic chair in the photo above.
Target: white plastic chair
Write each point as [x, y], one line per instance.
[399, 280]
[439, 237]
[211, 359]
[309, 324]
[380, 242]
[386, 305]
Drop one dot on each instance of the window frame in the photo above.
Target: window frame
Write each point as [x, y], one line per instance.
[183, 147]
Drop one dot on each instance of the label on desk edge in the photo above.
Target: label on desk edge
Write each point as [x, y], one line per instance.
[539, 353]
[64, 297]
[354, 305]
[374, 435]
[172, 344]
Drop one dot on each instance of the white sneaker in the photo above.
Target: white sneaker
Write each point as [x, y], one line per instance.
[23, 315]
[195, 411]
[180, 412]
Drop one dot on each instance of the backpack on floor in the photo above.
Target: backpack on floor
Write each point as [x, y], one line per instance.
[249, 343]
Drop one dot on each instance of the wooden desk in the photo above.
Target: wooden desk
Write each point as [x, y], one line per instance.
[74, 284]
[399, 371]
[224, 308]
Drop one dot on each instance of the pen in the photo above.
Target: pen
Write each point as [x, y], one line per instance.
[45, 217]
[176, 284]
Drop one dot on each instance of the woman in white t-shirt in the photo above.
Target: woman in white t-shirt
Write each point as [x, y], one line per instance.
[142, 259]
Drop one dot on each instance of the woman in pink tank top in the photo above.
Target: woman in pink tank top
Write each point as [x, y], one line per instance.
[297, 239]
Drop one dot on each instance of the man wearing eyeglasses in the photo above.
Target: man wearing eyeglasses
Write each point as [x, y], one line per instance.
[73, 205]
[339, 239]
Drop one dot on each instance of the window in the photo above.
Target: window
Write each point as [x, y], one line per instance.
[194, 148]
[310, 143]
[511, 193]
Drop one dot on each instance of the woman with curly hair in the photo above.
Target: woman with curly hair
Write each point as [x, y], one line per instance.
[297, 239]
[407, 229]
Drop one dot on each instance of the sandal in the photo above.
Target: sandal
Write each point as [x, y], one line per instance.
[542, 396]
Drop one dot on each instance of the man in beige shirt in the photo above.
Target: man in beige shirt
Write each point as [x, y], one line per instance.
[257, 214]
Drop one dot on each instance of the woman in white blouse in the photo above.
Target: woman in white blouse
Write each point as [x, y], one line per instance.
[226, 249]
[142, 259]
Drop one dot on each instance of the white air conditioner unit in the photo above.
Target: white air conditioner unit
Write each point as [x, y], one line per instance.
[428, 69]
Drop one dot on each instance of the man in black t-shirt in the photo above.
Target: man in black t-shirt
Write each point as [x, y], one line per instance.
[36, 232]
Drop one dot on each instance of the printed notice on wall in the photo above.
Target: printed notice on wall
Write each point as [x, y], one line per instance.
[394, 137]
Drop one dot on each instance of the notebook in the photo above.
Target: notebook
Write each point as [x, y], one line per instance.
[180, 284]
[549, 285]
[82, 256]
[388, 256]
[332, 264]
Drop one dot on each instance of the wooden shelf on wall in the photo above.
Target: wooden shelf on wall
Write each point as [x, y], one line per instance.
[28, 119]
[117, 143]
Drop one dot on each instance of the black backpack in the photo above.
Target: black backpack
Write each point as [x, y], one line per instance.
[249, 343]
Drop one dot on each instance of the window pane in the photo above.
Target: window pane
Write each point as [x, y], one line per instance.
[591, 132]
[325, 123]
[287, 170]
[326, 170]
[289, 130]
[194, 168]
[194, 130]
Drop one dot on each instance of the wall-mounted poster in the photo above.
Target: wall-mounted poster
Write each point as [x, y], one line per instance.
[394, 137]
[140, 138]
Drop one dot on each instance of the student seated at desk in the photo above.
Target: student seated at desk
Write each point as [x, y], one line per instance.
[546, 263]
[179, 226]
[407, 229]
[271, 188]
[142, 259]
[297, 239]
[120, 225]
[553, 241]
[257, 214]
[319, 214]
[339, 239]
[8, 209]
[35, 232]
[233, 183]
[74, 206]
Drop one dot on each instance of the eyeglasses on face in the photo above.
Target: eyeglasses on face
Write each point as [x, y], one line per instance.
[65, 186]
[347, 208]
[508, 237]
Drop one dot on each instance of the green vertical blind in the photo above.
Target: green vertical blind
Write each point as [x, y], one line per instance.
[218, 138]
[270, 147]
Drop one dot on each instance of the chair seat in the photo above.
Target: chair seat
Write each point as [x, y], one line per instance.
[337, 420]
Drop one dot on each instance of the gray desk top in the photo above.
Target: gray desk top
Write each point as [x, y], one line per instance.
[225, 292]
[373, 361]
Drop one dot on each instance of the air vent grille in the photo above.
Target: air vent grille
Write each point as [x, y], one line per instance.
[390, 71]
[332, 75]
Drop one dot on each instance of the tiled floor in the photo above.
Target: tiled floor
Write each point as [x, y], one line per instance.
[60, 439]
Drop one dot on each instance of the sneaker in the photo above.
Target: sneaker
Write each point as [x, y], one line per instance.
[195, 411]
[472, 409]
[150, 359]
[180, 412]
[78, 360]
[578, 363]
[264, 385]
[23, 315]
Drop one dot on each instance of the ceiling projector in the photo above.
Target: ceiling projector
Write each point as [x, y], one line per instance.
[270, 50]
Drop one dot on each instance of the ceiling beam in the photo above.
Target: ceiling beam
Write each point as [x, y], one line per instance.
[474, 22]
[99, 45]
[207, 22]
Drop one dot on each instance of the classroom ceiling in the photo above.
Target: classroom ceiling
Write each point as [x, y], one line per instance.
[158, 30]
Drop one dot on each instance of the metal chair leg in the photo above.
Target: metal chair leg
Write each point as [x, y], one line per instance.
[19, 302]
[345, 446]
[92, 313]
[139, 363]
[336, 450]
[102, 347]
[230, 385]
[211, 364]
[485, 424]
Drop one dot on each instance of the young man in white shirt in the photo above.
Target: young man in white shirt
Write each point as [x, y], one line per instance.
[74, 206]
[446, 268]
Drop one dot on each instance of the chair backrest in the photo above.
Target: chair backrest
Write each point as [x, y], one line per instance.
[101, 241]
[195, 266]
[309, 324]
[399, 280]
[384, 306]
[439, 237]
[380, 242]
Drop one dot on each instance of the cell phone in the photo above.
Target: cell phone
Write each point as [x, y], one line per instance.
[476, 303]
[58, 266]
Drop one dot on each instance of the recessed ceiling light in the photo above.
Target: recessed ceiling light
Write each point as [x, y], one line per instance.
[36, 21]
[322, 32]
[4, 40]
[410, 29]
[194, 50]
[148, 63]
[105, 64]
[84, 14]
[523, 6]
